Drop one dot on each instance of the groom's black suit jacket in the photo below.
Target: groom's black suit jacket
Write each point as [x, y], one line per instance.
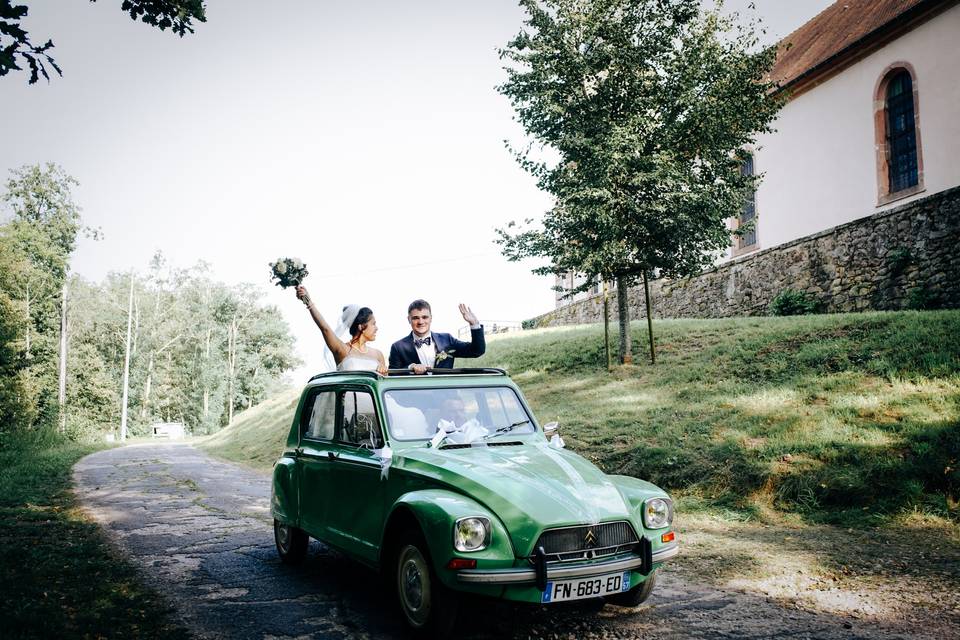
[403, 352]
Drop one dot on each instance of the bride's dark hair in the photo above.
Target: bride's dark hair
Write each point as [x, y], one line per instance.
[363, 316]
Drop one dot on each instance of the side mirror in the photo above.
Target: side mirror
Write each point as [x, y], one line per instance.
[551, 428]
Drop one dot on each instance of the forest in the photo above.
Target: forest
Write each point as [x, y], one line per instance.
[91, 360]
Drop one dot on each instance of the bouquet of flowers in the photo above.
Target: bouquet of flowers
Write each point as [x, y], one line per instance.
[288, 272]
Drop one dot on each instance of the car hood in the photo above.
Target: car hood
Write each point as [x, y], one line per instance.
[530, 487]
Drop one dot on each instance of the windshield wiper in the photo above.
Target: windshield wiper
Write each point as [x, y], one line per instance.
[506, 429]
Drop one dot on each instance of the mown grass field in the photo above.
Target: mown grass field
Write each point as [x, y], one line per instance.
[60, 578]
[849, 419]
[845, 419]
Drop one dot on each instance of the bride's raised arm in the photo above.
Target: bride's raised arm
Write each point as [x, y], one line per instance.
[337, 347]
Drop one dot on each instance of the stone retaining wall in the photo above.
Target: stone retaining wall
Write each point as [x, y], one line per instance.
[896, 259]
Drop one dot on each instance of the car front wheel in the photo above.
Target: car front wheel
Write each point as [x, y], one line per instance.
[429, 608]
[291, 542]
[636, 596]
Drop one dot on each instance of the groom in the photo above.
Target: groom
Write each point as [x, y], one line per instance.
[423, 349]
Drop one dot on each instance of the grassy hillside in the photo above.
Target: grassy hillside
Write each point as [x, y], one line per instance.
[256, 436]
[840, 418]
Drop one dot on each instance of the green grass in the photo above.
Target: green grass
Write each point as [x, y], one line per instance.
[60, 578]
[851, 419]
[256, 436]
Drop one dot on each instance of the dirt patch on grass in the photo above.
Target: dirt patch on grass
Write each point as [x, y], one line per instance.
[908, 574]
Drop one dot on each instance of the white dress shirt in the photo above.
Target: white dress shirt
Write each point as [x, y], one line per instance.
[426, 352]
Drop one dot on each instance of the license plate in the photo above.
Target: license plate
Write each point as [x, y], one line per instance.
[560, 590]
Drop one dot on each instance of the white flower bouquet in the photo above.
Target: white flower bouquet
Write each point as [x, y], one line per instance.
[288, 272]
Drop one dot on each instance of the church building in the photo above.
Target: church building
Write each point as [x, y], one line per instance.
[871, 123]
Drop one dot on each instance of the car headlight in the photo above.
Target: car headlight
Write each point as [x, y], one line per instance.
[471, 534]
[657, 513]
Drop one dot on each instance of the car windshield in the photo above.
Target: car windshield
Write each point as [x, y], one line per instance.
[466, 414]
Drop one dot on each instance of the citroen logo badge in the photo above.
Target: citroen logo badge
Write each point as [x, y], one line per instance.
[590, 539]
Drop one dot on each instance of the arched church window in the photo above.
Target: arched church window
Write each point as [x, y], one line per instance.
[901, 132]
[897, 124]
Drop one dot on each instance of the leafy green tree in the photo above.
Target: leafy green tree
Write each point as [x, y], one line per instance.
[15, 409]
[39, 237]
[267, 352]
[186, 328]
[642, 109]
[15, 43]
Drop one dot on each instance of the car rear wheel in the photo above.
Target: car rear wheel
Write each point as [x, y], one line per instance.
[636, 596]
[429, 608]
[291, 542]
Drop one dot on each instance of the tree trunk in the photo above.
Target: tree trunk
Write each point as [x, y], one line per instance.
[126, 366]
[145, 402]
[27, 353]
[136, 327]
[231, 365]
[62, 374]
[206, 384]
[646, 295]
[623, 310]
[606, 323]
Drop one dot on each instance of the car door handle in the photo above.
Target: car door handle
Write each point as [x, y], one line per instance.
[332, 456]
[298, 451]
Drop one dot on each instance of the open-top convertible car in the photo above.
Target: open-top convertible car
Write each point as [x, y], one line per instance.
[448, 485]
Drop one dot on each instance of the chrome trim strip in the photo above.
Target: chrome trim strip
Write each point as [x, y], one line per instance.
[529, 576]
[524, 576]
[665, 553]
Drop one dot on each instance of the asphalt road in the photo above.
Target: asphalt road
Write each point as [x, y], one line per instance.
[201, 531]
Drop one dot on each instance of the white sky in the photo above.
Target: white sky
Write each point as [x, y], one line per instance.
[358, 136]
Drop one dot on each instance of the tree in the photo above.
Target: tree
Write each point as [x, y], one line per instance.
[197, 350]
[177, 15]
[38, 240]
[93, 398]
[644, 108]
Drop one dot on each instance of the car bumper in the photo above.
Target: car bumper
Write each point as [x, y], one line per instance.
[518, 576]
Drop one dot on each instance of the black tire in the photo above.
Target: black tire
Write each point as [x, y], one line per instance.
[636, 596]
[427, 606]
[291, 542]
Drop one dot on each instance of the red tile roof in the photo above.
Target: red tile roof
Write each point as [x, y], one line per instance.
[842, 27]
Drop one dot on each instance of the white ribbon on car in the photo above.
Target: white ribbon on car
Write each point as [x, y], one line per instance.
[467, 433]
[444, 427]
[386, 460]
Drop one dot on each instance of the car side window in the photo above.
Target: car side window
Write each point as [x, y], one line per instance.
[322, 416]
[359, 425]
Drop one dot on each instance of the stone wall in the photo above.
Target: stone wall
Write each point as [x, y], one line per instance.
[891, 260]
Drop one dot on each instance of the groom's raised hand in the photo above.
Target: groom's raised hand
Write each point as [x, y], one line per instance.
[469, 316]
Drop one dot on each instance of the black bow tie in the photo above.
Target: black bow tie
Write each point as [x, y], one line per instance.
[419, 343]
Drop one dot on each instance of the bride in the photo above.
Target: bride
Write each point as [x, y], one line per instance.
[354, 355]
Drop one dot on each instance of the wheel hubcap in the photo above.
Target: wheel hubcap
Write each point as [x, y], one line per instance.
[413, 585]
[283, 537]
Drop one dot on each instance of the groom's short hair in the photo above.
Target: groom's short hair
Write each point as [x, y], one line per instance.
[419, 304]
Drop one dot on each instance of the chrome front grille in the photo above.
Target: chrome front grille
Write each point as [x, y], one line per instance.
[588, 541]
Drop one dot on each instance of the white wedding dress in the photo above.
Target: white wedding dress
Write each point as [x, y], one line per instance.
[358, 362]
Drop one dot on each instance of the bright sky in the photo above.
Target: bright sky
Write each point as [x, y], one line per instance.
[365, 138]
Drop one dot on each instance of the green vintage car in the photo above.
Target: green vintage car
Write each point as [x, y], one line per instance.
[448, 485]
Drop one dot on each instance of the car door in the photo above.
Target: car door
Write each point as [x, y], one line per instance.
[354, 518]
[315, 458]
